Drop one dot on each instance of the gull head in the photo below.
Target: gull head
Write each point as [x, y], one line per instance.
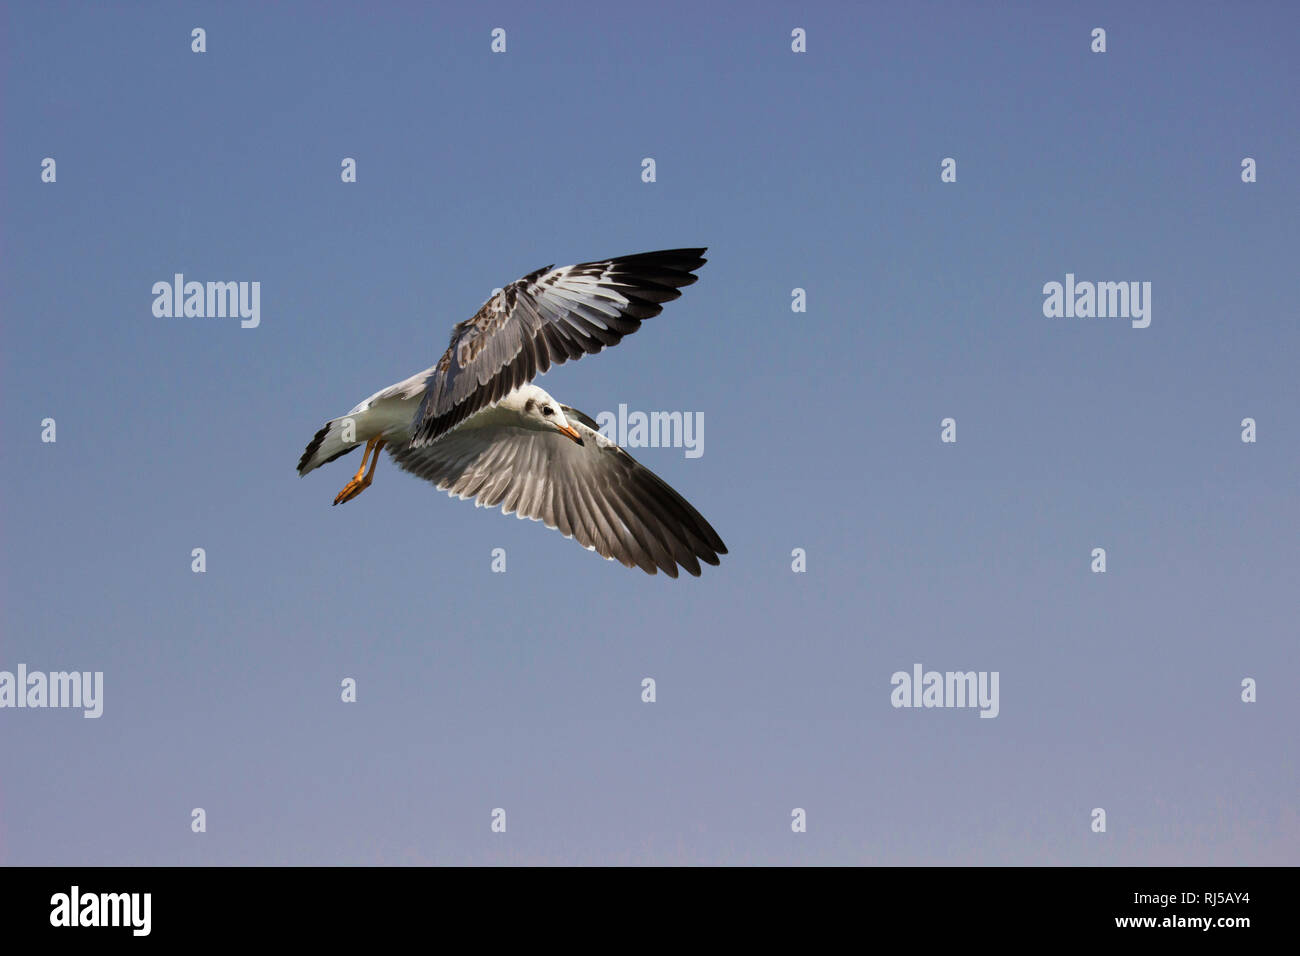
[541, 411]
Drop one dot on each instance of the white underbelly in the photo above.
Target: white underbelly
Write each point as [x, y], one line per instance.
[388, 418]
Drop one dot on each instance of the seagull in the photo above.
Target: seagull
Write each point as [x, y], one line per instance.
[477, 427]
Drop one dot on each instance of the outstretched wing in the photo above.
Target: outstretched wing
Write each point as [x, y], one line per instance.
[544, 319]
[594, 492]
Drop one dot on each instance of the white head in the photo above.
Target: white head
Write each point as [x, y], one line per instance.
[541, 411]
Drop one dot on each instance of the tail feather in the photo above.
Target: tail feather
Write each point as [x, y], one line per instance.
[327, 445]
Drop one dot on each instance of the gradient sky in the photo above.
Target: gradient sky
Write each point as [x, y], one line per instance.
[523, 690]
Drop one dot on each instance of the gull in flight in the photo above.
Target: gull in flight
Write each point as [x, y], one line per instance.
[476, 426]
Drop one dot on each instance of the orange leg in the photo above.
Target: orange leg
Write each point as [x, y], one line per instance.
[358, 483]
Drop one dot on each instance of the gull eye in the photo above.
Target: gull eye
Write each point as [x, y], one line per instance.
[548, 411]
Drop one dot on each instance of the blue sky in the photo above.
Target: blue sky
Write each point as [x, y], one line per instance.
[522, 690]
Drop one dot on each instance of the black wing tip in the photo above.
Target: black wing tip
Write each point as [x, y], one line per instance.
[685, 260]
[709, 557]
[693, 254]
[684, 252]
[712, 558]
[659, 276]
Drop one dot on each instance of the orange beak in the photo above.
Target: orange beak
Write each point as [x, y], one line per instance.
[570, 431]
